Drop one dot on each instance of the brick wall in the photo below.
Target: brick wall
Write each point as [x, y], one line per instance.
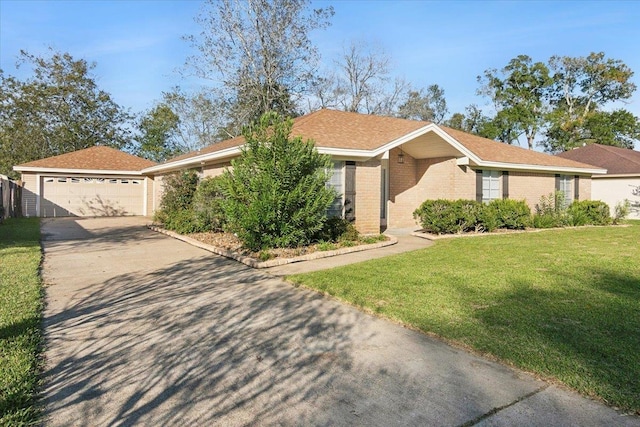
[368, 196]
[214, 170]
[530, 186]
[585, 188]
[417, 180]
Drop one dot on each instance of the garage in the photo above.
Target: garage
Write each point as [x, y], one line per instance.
[91, 196]
[97, 181]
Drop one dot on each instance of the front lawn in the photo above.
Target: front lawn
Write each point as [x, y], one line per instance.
[564, 304]
[20, 321]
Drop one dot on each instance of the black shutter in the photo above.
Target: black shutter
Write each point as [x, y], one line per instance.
[576, 188]
[505, 185]
[350, 190]
[557, 182]
[479, 185]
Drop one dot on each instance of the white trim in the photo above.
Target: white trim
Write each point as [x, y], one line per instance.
[618, 175]
[462, 161]
[38, 193]
[196, 160]
[75, 171]
[532, 167]
[145, 195]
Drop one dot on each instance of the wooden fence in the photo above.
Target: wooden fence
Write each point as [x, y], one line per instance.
[10, 198]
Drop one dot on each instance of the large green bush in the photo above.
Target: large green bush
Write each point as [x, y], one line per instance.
[510, 214]
[207, 204]
[337, 229]
[276, 193]
[448, 216]
[589, 212]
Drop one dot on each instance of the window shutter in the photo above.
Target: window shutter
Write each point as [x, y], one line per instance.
[576, 188]
[557, 182]
[350, 191]
[479, 186]
[505, 185]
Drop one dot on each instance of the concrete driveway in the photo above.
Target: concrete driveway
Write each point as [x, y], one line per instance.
[142, 329]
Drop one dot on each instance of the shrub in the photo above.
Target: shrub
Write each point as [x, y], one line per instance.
[337, 229]
[276, 195]
[550, 211]
[589, 212]
[207, 204]
[621, 211]
[510, 214]
[175, 211]
[448, 217]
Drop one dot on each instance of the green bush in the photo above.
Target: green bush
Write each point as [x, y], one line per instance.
[510, 214]
[447, 216]
[589, 212]
[551, 212]
[337, 229]
[621, 211]
[276, 195]
[175, 211]
[207, 204]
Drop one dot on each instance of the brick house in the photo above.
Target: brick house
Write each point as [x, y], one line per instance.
[385, 167]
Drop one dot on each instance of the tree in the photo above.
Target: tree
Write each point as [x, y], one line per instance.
[201, 118]
[473, 121]
[429, 105]
[362, 82]
[275, 194]
[518, 92]
[157, 134]
[259, 54]
[58, 110]
[583, 86]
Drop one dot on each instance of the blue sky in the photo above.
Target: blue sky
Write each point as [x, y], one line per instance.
[137, 45]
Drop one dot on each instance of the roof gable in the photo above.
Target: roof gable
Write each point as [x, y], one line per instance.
[617, 161]
[93, 158]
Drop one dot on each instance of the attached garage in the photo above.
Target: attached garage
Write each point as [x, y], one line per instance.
[97, 181]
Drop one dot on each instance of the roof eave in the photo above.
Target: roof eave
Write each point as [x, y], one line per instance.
[620, 175]
[537, 168]
[194, 161]
[39, 169]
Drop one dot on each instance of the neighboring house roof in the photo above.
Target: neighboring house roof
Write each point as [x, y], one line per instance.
[617, 161]
[365, 136]
[94, 159]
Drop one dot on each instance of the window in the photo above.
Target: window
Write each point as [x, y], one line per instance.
[490, 186]
[564, 186]
[336, 182]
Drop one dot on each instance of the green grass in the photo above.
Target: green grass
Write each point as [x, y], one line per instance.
[564, 304]
[20, 321]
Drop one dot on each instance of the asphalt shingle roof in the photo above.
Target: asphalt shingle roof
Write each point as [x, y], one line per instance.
[615, 160]
[339, 129]
[93, 158]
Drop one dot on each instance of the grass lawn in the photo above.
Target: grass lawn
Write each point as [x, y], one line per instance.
[20, 321]
[564, 304]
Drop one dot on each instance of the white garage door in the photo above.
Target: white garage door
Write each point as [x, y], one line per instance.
[89, 196]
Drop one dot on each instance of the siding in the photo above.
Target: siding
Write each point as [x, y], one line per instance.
[615, 190]
[29, 196]
[214, 170]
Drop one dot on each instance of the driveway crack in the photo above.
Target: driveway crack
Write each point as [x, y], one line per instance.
[486, 415]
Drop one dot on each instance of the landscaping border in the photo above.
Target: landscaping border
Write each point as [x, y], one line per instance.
[430, 236]
[254, 263]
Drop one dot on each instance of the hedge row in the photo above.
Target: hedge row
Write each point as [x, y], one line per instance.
[460, 216]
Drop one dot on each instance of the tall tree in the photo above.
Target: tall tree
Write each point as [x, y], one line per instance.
[473, 120]
[57, 110]
[583, 86]
[518, 92]
[157, 133]
[202, 118]
[259, 54]
[429, 105]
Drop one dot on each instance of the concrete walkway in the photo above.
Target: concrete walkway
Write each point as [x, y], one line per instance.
[145, 330]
